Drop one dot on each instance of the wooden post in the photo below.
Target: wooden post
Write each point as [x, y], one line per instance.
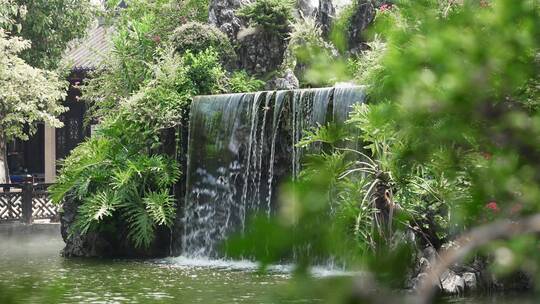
[50, 154]
[26, 202]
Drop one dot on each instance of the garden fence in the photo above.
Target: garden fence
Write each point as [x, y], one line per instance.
[25, 202]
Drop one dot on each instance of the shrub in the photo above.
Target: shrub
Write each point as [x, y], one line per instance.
[241, 82]
[306, 45]
[143, 31]
[270, 15]
[455, 99]
[367, 65]
[205, 73]
[197, 37]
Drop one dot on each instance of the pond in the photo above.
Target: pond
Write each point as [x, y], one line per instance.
[32, 271]
[36, 263]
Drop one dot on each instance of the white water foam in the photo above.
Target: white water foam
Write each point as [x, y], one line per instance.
[247, 265]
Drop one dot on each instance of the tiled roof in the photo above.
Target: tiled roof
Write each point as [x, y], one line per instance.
[90, 52]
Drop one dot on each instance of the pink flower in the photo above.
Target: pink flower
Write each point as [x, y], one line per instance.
[385, 7]
[493, 206]
[156, 38]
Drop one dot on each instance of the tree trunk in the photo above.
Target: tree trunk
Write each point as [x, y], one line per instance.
[4, 170]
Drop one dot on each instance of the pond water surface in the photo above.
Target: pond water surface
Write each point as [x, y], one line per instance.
[32, 271]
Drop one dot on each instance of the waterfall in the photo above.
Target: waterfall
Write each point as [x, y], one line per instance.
[240, 147]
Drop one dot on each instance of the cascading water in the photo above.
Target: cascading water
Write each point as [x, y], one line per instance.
[240, 147]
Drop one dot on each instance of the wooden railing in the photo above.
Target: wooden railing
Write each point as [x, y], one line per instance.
[26, 202]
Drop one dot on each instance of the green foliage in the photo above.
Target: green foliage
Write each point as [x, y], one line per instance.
[367, 65]
[341, 25]
[271, 15]
[241, 82]
[114, 184]
[170, 12]
[463, 107]
[454, 93]
[28, 95]
[142, 89]
[117, 176]
[50, 25]
[306, 46]
[205, 72]
[297, 230]
[9, 11]
[143, 32]
[39, 91]
[197, 37]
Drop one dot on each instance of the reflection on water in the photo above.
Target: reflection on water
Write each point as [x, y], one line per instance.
[171, 280]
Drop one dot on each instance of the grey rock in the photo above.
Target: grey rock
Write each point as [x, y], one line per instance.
[261, 52]
[452, 283]
[221, 13]
[306, 8]
[105, 244]
[325, 16]
[418, 281]
[286, 82]
[471, 283]
[430, 254]
[363, 16]
[77, 245]
[424, 265]
[258, 51]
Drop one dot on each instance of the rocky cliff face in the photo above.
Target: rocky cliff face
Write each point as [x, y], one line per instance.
[326, 12]
[362, 17]
[258, 51]
[261, 52]
[222, 14]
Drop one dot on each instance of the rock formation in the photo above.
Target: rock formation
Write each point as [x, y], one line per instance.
[222, 14]
[102, 243]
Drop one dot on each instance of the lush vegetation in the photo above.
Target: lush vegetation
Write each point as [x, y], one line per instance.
[306, 45]
[453, 91]
[119, 175]
[144, 29]
[159, 62]
[445, 144]
[50, 26]
[28, 95]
